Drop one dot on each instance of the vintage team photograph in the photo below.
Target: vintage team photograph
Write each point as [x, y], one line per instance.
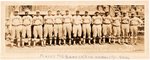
[75, 28]
[43, 25]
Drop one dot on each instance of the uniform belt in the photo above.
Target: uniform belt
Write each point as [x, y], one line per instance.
[66, 22]
[49, 23]
[25, 24]
[76, 24]
[96, 24]
[58, 23]
[37, 24]
[85, 23]
[115, 25]
[133, 24]
[16, 25]
[106, 23]
[7, 25]
[125, 23]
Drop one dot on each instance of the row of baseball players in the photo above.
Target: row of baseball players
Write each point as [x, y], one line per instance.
[111, 27]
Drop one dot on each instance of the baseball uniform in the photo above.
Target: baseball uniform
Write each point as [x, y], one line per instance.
[67, 26]
[16, 28]
[134, 22]
[116, 28]
[48, 27]
[27, 21]
[86, 27]
[107, 27]
[7, 29]
[37, 29]
[97, 29]
[77, 20]
[125, 27]
[58, 27]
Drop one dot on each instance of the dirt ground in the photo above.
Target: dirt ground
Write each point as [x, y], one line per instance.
[83, 48]
[37, 52]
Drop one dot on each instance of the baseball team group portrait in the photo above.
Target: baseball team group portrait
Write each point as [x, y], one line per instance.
[103, 26]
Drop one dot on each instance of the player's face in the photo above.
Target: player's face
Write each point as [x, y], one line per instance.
[101, 14]
[49, 12]
[132, 15]
[67, 12]
[77, 13]
[96, 14]
[58, 12]
[86, 14]
[106, 14]
[37, 13]
[124, 14]
[15, 13]
[26, 13]
[116, 14]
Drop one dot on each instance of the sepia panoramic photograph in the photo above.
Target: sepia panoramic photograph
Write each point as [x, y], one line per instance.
[74, 30]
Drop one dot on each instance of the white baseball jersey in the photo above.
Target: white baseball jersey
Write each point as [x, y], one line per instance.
[37, 20]
[58, 19]
[125, 20]
[97, 20]
[86, 19]
[77, 20]
[135, 20]
[16, 20]
[116, 21]
[107, 19]
[27, 20]
[67, 18]
[49, 19]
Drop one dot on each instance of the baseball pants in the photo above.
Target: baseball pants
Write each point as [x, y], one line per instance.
[67, 28]
[7, 33]
[86, 29]
[16, 30]
[77, 30]
[125, 29]
[37, 30]
[134, 30]
[7, 29]
[116, 30]
[107, 29]
[48, 29]
[58, 30]
[26, 30]
[96, 29]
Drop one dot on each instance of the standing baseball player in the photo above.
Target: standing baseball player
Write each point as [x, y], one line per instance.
[8, 29]
[16, 28]
[134, 22]
[77, 31]
[97, 29]
[58, 27]
[116, 27]
[37, 29]
[107, 27]
[48, 26]
[27, 21]
[125, 27]
[67, 26]
[86, 27]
